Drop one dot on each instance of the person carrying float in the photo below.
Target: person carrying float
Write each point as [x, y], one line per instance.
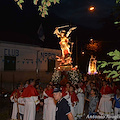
[30, 96]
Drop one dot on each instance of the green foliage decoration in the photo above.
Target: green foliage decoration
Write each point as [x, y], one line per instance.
[114, 72]
[19, 3]
[117, 10]
[42, 8]
[117, 1]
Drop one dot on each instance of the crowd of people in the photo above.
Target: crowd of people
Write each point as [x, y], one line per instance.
[86, 98]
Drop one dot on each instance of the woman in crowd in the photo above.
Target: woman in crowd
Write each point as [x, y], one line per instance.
[93, 102]
[105, 105]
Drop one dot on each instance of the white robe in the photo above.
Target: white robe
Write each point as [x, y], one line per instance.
[30, 107]
[21, 107]
[105, 105]
[15, 110]
[80, 105]
[45, 105]
[50, 109]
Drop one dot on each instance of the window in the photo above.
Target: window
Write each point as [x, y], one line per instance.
[9, 63]
[51, 65]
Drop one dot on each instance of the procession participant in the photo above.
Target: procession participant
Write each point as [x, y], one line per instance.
[45, 102]
[26, 83]
[14, 98]
[37, 86]
[50, 109]
[30, 96]
[66, 87]
[21, 105]
[63, 111]
[82, 85]
[93, 102]
[74, 99]
[116, 103]
[105, 105]
[65, 92]
[79, 108]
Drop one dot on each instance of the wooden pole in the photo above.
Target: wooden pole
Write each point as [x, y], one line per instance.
[13, 81]
[76, 51]
[1, 80]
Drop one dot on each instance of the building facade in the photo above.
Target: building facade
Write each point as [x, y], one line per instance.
[26, 60]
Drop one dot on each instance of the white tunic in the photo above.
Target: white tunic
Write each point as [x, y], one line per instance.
[80, 105]
[15, 109]
[30, 107]
[50, 109]
[45, 105]
[105, 105]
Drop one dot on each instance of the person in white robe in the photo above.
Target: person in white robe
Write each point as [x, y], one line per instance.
[30, 96]
[50, 106]
[17, 101]
[79, 108]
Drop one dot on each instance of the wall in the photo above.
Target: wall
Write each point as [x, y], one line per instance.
[27, 56]
[28, 59]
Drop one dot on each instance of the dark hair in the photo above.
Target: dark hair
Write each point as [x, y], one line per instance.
[104, 81]
[18, 85]
[91, 83]
[95, 90]
[26, 81]
[57, 85]
[68, 83]
[31, 80]
[76, 86]
[118, 89]
[72, 87]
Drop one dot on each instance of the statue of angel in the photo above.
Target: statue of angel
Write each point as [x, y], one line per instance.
[64, 40]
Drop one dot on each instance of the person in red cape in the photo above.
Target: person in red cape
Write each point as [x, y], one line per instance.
[74, 99]
[105, 105]
[16, 94]
[65, 89]
[30, 96]
[50, 104]
[82, 85]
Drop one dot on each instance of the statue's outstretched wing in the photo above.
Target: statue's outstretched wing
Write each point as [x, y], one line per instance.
[70, 30]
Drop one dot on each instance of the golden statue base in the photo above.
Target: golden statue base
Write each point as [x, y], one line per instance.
[65, 67]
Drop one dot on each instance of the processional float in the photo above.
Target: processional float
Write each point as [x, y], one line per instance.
[65, 60]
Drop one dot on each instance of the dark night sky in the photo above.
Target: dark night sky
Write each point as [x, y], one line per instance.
[21, 25]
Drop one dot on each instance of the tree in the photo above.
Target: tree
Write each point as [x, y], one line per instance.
[117, 12]
[42, 5]
[112, 68]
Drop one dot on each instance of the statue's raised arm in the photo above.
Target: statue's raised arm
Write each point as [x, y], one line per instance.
[57, 32]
